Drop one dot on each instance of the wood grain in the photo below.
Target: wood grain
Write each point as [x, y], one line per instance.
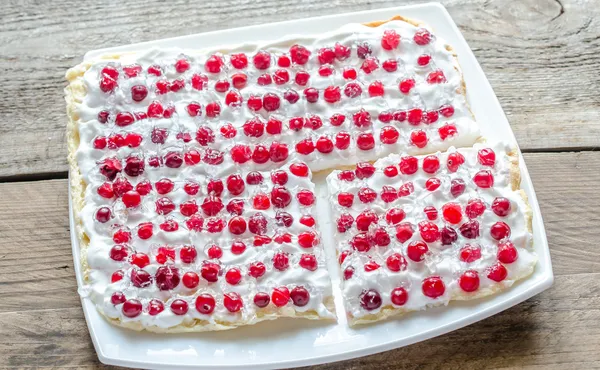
[542, 58]
[557, 329]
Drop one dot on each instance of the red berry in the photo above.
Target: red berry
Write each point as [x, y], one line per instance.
[280, 197]
[454, 161]
[369, 65]
[416, 251]
[300, 296]
[132, 308]
[325, 71]
[399, 296]
[507, 253]
[155, 307]
[280, 296]
[239, 61]
[390, 65]
[262, 299]
[470, 229]
[409, 165]
[140, 278]
[291, 96]
[486, 157]
[431, 213]
[346, 175]
[116, 276]
[179, 307]
[390, 40]
[344, 223]
[349, 73]
[370, 300]
[365, 219]
[484, 179]
[394, 216]
[299, 54]
[118, 253]
[352, 90]
[446, 131]
[302, 78]
[470, 253]
[214, 109]
[233, 276]
[365, 141]
[342, 140]
[205, 303]
[452, 212]
[389, 135]
[423, 60]
[239, 80]
[190, 280]
[145, 230]
[305, 147]
[305, 197]
[448, 235]
[457, 187]
[342, 52]
[360, 242]
[260, 154]
[210, 271]
[390, 171]
[367, 195]
[436, 77]
[141, 260]
[396, 262]
[500, 230]
[131, 199]
[326, 55]
[167, 277]
[497, 272]
[332, 94]
[280, 261]
[308, 239]
[299, 169]
[474, 208]
[500, 206]
[238, 248]
[222, 86]
[406, 85]
[257, 224]
[311, 94]
[271, 102]
[214, 64]
[418, 138]
[237, 225]
[404, 231]
[364, 170]
[388, 194]
[469, 281]
[429, 231]
[308, 261]
[257, 269]
[415, 116]
[433, 287]
[278, 152]
[422, 37]
[376, 89]
[281, 76]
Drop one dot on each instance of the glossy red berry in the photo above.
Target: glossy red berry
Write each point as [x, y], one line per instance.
[433, 287]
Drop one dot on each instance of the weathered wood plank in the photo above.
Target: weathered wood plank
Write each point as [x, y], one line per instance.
[34, 226]
[558, 329]
[542, 58]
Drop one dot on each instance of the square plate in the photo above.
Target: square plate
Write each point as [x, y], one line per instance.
[288, 342]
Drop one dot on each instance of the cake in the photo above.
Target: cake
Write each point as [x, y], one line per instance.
[415, 232]
[190, 170]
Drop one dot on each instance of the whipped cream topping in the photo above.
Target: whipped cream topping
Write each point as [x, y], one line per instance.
[424, 96]
[443, 261]
[102, 266]
[189, 117]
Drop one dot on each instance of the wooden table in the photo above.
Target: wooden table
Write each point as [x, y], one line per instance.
[542, 58]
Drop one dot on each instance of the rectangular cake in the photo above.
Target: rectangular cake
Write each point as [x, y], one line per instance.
[191, 169]
[414, 232]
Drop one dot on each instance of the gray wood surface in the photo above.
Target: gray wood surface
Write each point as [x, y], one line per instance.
[542, 58]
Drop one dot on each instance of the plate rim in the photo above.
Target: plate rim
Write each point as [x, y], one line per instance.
[541, 284]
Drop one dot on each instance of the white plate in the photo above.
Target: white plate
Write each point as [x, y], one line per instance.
[288, 342]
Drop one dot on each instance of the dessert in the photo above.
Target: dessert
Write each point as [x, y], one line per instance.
[191, 169]
[414, 232]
